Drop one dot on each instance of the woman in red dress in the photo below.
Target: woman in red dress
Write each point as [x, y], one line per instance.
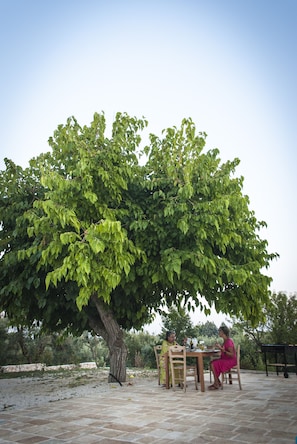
[226, 361]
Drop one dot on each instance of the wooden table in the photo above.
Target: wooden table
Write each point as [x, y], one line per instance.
[199, 355]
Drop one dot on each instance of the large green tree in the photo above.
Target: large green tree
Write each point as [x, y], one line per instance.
[94, 238]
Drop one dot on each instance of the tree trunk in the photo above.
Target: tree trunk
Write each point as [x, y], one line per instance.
[111, 332]
[22, 343]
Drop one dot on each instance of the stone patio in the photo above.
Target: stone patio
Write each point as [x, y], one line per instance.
[265, 411]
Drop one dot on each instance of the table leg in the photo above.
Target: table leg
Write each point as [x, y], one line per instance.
[201, 371]
[265, 360]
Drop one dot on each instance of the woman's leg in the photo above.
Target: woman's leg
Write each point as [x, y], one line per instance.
[217, 382]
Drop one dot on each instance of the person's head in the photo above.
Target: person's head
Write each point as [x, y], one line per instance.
[170, 336]
[223, 330]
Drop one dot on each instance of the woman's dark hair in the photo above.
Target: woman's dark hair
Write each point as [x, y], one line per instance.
[169, 333]
[225, 330]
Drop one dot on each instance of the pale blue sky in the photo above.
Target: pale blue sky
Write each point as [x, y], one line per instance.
[230, 65]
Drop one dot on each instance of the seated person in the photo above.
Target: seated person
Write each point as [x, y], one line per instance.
[168, 342]
[226, 361]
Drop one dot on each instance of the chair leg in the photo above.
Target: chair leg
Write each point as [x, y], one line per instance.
[173, 378]
[227, 377]
[183, 380]
[210, 371]
[239, 381]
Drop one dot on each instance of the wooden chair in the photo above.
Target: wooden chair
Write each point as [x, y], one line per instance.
[180, 371]
[234, 372]
[157, 350]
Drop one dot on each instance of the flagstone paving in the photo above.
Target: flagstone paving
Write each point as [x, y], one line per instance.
[265, 411]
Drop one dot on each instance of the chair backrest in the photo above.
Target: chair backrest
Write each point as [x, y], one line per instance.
[234, 372]
[238, 355]
[178, 364]
[177, 353]
[157, 350]
[179, 368]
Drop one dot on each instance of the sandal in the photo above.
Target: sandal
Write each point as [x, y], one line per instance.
[213, 387]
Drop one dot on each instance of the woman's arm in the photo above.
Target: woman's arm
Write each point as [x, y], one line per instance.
[228, 348]
[164, 348]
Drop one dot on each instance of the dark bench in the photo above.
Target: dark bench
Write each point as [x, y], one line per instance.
[281, 352]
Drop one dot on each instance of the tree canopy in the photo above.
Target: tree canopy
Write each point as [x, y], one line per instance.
[94, 237]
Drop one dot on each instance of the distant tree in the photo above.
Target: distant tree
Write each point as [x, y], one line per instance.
[21, 344]
[178, 320]
[282, 319]
[92, 239]
[208, 329]
[257, 335]
[4, 344]
[140, 347]
[279, 325]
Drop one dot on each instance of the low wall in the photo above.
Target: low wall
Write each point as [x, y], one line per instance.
[44, 367]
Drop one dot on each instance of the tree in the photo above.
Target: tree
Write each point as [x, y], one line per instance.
[208, 329]
[179, 321]
[282, 319]
[4, 342]
[279, 325]
[92, 239]
[140, 349]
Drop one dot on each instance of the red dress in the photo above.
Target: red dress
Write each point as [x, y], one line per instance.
[225, 362]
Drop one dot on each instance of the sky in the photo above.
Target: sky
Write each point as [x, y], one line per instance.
[230, 65]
